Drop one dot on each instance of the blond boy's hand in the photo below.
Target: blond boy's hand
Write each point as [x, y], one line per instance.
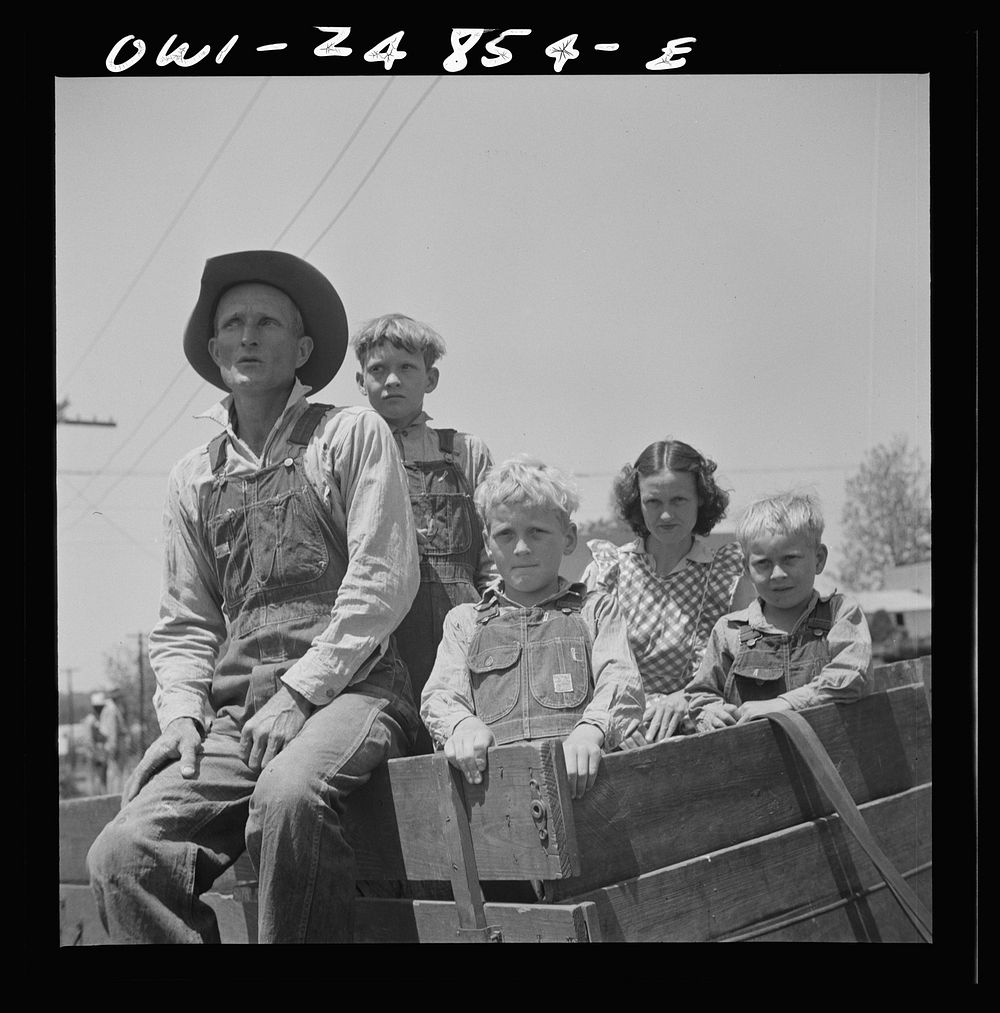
[758, 708]
[466, 749]
[582, 753]
[717, 715]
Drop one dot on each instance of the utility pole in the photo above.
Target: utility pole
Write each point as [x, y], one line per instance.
[72, 719]
[142, 700]
[61, 418]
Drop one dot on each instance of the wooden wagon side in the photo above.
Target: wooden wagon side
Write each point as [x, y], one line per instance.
[708, 837]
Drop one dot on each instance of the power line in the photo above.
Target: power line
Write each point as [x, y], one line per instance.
[374, 165]
[156, 439]
[335, 163]
[121, 446]
[329, 226]
[163, 238]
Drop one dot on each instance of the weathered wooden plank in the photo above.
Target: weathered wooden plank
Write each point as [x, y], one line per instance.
[80, 821]
[396, 835]
[836, 924]
[904, 673]
[380, 920]
[80, 925]
[788, 875]
[662, 804]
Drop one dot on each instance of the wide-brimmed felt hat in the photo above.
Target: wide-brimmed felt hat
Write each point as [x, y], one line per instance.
[317, 300]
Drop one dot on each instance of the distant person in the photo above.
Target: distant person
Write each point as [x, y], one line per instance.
[669, 584]
[290, 557]
[397, 356]
[791, 647]
[97, 759]
[536, 657]
[115, 732]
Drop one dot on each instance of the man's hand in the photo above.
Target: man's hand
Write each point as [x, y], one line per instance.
[466, 749]
[582, 752]
[180, 739]
[758, 708]
[664, 714]
[273, 727]
[717, 715]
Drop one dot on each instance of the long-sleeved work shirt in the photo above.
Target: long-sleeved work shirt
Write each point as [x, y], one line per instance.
[353, 464]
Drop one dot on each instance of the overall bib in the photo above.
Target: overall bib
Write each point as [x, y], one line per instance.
[769, 664]
[450, 544]
[280, 563]
[530, 669]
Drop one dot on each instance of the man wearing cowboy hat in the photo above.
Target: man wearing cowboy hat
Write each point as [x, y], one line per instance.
[290, 557]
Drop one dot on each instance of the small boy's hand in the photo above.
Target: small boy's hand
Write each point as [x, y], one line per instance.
[664, 713]
[582, 753]
[758, 708]
[717, 715]
[466, 749]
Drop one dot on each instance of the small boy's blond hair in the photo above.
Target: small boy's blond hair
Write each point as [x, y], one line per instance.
[787, 513]
[526, 481]
[401, 332]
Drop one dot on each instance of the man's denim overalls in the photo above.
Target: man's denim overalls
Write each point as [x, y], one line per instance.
[450, 546]
[530, 668]
[769, 664]
[280, 563]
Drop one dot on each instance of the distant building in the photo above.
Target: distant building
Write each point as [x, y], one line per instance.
[911, 577]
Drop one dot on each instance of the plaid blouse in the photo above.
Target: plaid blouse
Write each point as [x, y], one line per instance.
[669, 617]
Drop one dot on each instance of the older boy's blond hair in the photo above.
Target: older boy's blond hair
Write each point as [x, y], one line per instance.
[787, 513]
[401, 332]
[526, 481]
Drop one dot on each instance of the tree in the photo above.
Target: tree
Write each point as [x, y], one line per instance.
[887, 515]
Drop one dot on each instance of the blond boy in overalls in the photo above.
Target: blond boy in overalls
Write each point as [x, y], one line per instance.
[791, 648]
[536, 657]
[397, 356]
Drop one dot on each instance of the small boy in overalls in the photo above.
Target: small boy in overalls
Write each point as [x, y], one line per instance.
[536, 657]
[397, 356]
[791, 648]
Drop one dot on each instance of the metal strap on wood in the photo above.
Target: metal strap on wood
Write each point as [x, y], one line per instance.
[830, 783]
[458, 842]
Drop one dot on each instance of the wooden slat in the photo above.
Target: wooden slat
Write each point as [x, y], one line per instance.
[904, 673]
[80, 925]
[737, 891]
[394, 829]
[429, 921]
[80, 821]
[662, 804]
[837, 924]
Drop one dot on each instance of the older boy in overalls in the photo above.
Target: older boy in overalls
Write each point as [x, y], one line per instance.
[397, 356]
[536, 657]
[791, 648]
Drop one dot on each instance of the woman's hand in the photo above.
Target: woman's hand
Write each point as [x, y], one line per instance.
[664, 714]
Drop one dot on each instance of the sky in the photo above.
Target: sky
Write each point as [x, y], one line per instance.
[737, 261]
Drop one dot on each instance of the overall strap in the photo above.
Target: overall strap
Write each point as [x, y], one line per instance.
[748, 635]
[217, 452]
[307, 423]
[821, 620]
[446, 441]
[301, 434]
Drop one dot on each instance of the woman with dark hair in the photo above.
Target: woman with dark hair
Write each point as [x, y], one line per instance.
[671, 586]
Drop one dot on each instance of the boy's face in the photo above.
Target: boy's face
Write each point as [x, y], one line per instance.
[527, 544]
[783, 569]
[395, 382]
